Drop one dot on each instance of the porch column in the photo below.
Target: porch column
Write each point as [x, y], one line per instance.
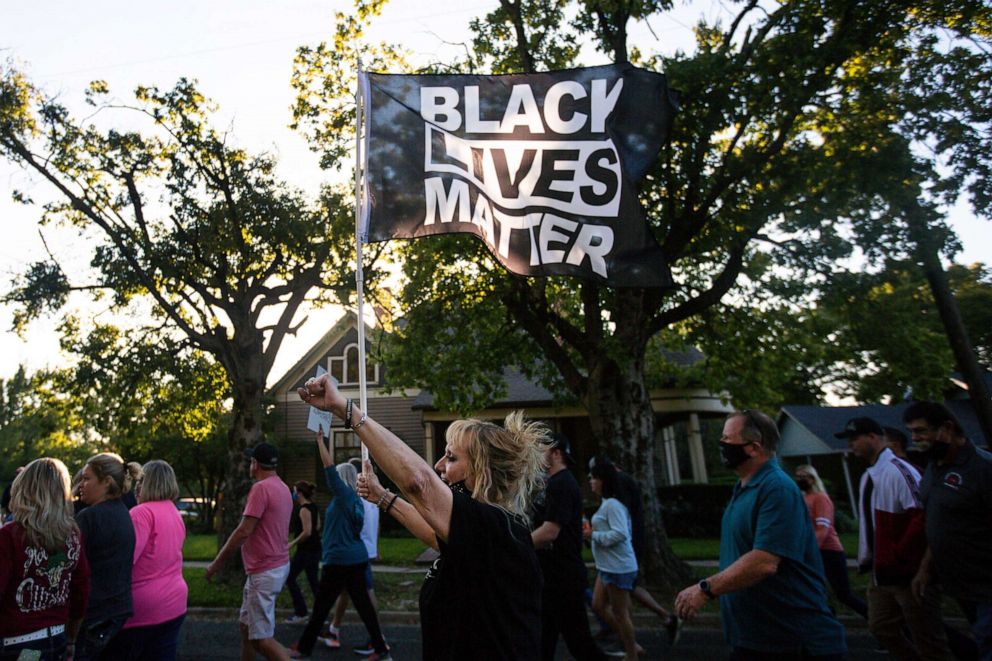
[671, 455]
[429, 442]
[696, 455]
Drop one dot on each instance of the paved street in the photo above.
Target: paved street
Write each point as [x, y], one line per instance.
[204, 640]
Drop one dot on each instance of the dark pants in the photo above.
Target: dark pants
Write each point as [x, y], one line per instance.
[835, 568]
[744, 654]
[155, 642]
[563, 612]
[94, 636]
[51, 648]
[333, 579]
[304, 561]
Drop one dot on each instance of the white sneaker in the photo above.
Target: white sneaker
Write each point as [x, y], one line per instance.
[297, 619]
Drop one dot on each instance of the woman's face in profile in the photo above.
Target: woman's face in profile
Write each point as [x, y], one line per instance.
[596, 485]
[91, 490]
[453, 465]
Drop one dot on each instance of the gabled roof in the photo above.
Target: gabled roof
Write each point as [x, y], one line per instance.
[823, 422]
[959, 388]
[303, 366]
[520, 391]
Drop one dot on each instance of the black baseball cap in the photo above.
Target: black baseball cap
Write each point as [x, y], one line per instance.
[264, 453]
[859, 426]
[560, 442]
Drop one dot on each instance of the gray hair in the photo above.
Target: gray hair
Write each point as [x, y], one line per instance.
[349, 474]
[758, 428]
[158, 482]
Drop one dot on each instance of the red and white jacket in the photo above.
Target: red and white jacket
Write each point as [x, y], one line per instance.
[900, 535]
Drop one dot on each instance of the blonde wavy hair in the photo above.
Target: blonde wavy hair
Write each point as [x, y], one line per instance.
[122, 476]
[41, 501]
[506, 463]
[817, 482]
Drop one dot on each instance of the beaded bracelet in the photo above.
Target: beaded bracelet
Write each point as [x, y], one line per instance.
[385, 494]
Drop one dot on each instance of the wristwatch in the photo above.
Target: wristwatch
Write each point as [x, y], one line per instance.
[704, 587]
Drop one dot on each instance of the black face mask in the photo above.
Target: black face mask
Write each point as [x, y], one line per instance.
[938, 451]
[804, 484]
[733, 455]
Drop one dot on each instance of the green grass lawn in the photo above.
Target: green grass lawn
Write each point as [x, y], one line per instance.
[392, 550]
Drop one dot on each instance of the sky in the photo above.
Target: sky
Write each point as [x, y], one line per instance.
[241, 52]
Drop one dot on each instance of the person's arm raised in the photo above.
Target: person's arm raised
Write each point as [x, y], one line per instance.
[430, 496]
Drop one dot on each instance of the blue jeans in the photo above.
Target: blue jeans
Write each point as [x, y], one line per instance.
[51, 648]
[94, 636]
[982, 629]
[155, 642]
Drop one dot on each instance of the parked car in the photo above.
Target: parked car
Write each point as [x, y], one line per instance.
[192, 508]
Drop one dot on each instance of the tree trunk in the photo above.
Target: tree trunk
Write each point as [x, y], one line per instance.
[622, 419]
[248, 383]
[928, 253]
[957, 336]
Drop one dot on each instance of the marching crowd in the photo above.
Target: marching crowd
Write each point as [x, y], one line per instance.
[92, 568]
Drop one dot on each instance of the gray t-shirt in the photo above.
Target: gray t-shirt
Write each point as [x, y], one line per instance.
[957, 499]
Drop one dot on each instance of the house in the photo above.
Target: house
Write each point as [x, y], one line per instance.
[689, 419]
[807, 436]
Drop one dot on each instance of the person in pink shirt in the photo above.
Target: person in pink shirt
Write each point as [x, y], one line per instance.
[158, 591]
[263, 536]
[821, 511]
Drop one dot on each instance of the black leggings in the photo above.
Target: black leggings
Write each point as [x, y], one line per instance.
[835, 568]
[333, 579]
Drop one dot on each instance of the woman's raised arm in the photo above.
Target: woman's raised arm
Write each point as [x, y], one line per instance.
[417, 480]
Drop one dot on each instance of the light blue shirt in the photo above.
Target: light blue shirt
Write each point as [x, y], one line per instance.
[611, 538]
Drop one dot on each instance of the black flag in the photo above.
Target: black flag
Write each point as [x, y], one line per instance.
[542, 167]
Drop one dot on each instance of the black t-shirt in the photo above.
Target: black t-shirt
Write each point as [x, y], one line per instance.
[629, 493]
[957, 500]
[482, 597]
[311, 543]
[561, 504]
[108, 537]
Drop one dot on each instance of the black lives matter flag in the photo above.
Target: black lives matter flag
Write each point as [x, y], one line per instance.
[542, 167]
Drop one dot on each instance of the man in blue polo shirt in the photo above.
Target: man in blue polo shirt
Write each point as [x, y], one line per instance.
[773, 599]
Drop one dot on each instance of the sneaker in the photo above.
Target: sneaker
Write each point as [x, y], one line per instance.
[297, 619]
[334, 643]
[368, 649]
[673, 629]
[613, 652]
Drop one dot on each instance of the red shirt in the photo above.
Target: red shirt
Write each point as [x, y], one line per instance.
[821, 510]
[38, 589]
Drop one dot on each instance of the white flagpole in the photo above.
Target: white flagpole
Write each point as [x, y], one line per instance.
[359, 275]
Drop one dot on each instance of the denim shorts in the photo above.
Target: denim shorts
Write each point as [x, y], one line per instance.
[623, 581]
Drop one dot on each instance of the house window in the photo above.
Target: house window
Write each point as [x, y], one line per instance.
[346, 446]
[344, 368]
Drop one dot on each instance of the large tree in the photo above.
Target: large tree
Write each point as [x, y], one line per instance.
[753, 182]
[220, 250]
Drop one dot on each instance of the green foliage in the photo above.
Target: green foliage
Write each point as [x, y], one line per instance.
[888, 329]
[39, 419]
[188, 225]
